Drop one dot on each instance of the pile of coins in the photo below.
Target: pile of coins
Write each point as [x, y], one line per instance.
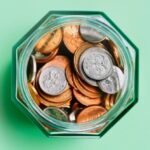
[75, 73]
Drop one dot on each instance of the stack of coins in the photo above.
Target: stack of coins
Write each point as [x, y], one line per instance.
[75, 73]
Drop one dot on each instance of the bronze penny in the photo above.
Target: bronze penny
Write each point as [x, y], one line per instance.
[84, 100]
[62, 104]
[90, 113]
[49, 42]
[89, 87]
[69, 76]
[75, 106]
[83, 90]
[72, 38]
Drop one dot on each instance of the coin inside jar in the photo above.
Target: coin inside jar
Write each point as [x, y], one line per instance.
[52, 80]
[91, 34]
[43, 58]
[72, 38]
[113, 83]
[49, 42]
[90, 113]
[97, 64]
[56, 113]
[31, 69]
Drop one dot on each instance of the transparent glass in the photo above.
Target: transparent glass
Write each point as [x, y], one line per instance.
[129, 58]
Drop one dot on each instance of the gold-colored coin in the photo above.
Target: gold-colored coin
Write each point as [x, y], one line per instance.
[109, 101]
[59, 98]
[36, 97]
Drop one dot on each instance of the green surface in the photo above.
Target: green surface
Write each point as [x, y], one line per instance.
[17, 132]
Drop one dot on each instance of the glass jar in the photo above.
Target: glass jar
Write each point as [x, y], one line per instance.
[128, 54]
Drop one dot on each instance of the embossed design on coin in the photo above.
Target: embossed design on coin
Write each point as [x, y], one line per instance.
[97, 64]
[91, 34]
[56, 113]
[114, 82]
[52, 80]
[87, 79]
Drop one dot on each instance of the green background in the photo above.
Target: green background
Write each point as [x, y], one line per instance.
[17, 132]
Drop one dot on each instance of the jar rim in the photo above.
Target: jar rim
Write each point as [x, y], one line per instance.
[67, 126]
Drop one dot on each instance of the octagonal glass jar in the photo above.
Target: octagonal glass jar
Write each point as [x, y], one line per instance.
[128, 54]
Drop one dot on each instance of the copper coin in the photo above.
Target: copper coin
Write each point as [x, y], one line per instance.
[75, 106]
[44, 58]
[90, 113]
[66, 95]
[62, 104]
[72, 38]
[34, 93]
[84, 100]
[58, 61]
[83, 90]
[49, 42]
[89, 87]
[69, 76]
[31, 69]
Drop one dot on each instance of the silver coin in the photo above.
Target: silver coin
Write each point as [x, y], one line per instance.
[97, 64]
[91, 34]
[113, 83]
[52, 80]
[56, 113]
[83, 75]
[31, 69]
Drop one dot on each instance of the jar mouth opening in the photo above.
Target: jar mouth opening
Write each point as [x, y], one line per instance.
[122, 97]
